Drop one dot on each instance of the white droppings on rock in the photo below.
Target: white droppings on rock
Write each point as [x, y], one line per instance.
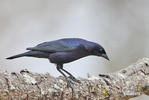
[51, 90]
[12, 87]
[56, 86]
[147, 83]
[70, 89]
[77, 93]
[28, 79]
[42, 92]
[77, 96]
[121, 75]
[61, 81]
[93, 78]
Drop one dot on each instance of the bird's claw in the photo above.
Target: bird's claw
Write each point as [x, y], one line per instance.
[74, 79]
[69, 82]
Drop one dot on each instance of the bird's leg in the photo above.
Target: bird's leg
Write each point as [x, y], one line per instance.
[59, 67]
[71, 76]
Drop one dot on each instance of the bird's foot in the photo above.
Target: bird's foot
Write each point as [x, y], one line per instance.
[74, 79]
[69, 83]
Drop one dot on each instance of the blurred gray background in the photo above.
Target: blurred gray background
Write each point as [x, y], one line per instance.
[120, 26]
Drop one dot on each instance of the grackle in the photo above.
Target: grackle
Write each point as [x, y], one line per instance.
[64, 51]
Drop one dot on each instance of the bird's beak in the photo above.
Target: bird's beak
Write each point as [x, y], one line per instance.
[105, 56]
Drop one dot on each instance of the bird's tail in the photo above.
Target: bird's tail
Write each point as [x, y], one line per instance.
[29, 53]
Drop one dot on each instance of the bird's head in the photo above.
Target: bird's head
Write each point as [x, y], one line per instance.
[98, 50]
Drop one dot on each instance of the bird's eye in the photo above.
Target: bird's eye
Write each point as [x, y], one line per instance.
[101, 50]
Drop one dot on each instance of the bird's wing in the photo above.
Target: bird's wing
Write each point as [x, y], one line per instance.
[54, 46]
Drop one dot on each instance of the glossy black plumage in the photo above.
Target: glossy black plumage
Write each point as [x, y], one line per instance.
[64, 51]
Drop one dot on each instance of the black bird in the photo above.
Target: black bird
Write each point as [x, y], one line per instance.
[64, 51]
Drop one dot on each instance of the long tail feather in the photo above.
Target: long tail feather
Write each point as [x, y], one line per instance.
[30, 54]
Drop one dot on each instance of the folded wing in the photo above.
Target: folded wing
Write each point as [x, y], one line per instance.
[53, 46]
